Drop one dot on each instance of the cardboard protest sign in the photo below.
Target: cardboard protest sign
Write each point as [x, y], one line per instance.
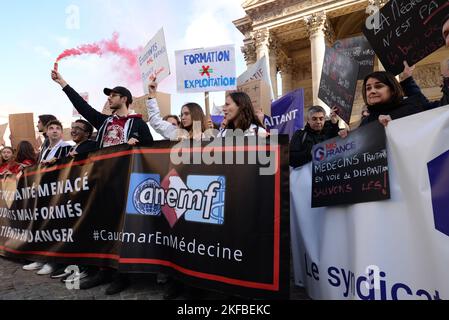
[163, 101]
[206, 70]
[339, 82]
[22, 129]
[2, 133]
[260, 93]
[258, 71]
[359, 49]
[153, 61]
[405, 30]
[351, 170]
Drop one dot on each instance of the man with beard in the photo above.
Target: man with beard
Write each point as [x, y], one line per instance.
[121, 127]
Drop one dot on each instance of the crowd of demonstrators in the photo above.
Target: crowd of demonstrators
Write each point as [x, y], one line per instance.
[240, 115]
[385, 99]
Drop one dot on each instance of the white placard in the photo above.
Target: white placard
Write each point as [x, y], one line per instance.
[388, 250]
[153, 61]
[206, 70]
[258, 71]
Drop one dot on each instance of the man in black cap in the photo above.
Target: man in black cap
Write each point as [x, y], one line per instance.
[121, 127]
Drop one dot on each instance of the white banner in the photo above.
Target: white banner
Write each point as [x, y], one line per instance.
[258, 71]
[206, 70]
[153, 61]
[395, 249]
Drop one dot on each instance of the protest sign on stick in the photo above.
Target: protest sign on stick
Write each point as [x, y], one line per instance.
[206, 70]
[339, 82]
[22, 129]
[153, 61]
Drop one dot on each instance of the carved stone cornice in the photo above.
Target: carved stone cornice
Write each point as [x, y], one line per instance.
[280, 8]
[377, 3]
[245, 26]
[261, 12]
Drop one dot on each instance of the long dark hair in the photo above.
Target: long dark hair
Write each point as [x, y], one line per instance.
[25, 151]
[397, 94]
[246, 116]
[197, 114]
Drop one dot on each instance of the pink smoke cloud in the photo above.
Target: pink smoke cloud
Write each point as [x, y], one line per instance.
[130, 69]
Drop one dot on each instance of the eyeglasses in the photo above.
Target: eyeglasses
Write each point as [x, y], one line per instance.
[75, 128]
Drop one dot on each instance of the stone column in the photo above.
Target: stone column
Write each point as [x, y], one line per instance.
[316, 24]
[274, 47]
[262, 44]
[286, 68]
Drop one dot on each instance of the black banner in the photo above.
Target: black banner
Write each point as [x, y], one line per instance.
[351, 170]
[406, 30]
[359, 49]
[193, 213]
[339, 82]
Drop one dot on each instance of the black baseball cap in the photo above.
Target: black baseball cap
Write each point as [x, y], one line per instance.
[121, 91]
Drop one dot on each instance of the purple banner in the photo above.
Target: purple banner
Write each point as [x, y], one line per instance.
[287, 113]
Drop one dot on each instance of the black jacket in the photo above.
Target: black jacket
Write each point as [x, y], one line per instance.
[415, 102]
[138, 129]
[303, 141]
[85, 147]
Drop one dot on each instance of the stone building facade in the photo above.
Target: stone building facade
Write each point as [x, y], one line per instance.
[293, 34]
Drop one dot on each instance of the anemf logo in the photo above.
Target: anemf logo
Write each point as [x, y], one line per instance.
[439, 182]
[201, 200]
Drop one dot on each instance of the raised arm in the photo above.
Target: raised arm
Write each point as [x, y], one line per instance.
[164, 128]
[90, 114]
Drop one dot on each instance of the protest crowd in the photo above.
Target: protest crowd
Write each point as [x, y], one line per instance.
[386, 99]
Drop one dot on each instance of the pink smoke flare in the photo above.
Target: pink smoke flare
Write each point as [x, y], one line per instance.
[112, 46]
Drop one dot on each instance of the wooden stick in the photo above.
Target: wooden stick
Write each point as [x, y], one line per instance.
[207, 104]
